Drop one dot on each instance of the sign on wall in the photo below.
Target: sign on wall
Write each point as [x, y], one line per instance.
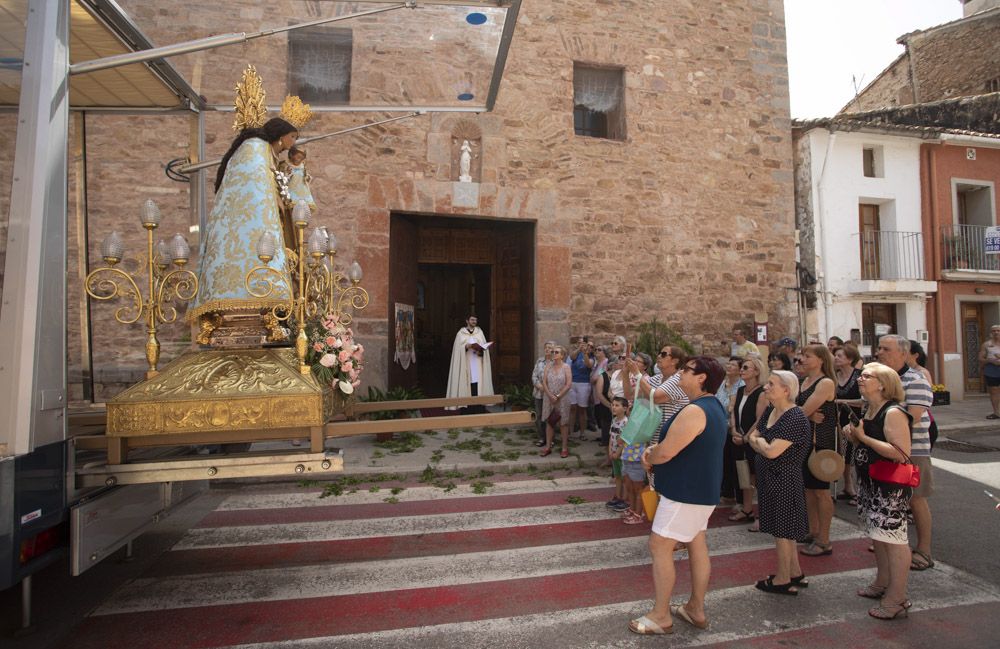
[406, 352]
[992, 240]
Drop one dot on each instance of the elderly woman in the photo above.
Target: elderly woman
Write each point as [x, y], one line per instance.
[537, 378]
[781, 439]
[747, 410]
[687, 465]
[884, 434]
[637, 370]
[557, 383]
[817, 397]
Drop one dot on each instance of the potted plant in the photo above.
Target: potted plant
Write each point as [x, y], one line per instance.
[519, 397]
[398, 393]
[942, 397]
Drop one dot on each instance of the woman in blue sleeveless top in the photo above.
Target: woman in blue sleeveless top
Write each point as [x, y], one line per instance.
[687, 465]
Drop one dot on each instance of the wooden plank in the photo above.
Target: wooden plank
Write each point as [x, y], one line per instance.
[117, 450]
[316, 439]
[354, 428]
[416, 404]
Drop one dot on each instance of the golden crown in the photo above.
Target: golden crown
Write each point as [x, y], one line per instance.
[295, 112]
[251, 111]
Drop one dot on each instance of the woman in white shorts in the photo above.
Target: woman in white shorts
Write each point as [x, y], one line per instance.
[687, 466]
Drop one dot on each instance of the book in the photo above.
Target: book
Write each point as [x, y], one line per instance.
[481, 348]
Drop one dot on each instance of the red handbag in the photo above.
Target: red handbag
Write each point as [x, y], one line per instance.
[905, 474]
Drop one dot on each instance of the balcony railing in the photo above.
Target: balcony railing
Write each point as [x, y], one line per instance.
[963, 247]
[892, 255]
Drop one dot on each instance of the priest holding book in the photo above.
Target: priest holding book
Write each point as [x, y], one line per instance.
[471, 373]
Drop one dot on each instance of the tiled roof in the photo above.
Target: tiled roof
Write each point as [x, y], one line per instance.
[978, 116]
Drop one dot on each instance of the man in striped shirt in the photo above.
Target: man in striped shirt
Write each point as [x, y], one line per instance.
[893, 351]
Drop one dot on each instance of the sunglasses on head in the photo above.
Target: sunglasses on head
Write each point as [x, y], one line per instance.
[664, 354]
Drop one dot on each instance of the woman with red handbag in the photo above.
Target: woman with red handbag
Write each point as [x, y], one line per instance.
[882, 445]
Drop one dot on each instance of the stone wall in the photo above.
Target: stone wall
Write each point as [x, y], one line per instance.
[891, 87]
[690, 219]
[954, 60]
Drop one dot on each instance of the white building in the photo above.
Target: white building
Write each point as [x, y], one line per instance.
[858, 211]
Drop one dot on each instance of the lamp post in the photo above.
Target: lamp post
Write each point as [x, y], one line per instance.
[162, 287]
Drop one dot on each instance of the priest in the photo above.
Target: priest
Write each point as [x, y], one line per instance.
[471, 373]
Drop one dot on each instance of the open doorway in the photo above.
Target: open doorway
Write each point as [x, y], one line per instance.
[449, 268]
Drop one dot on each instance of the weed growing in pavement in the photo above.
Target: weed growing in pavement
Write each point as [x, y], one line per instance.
[482, 473]
[514, 470]
[454, 473]
[392, 500]
[374, 489]
[402, 443]
[531, 468]
[527, 433]
[514, 442]
[429, 474]
[437, 456]
[395, 491]
[490, 456]
[332, 489]
[474, 445]
[447, 486]
[305, 484]
[575, 500]
[376, 454]
[480, 487]
[385, 477]
[453, 433]
[430, 433]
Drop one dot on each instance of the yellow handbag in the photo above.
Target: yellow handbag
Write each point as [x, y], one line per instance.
[650, 499]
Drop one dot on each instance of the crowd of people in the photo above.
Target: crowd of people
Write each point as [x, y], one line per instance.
[747, 432]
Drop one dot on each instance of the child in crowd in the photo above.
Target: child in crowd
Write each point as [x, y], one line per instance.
[618, 420]
[635, 479]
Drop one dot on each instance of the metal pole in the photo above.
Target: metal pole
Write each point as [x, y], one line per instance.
[212, 42]
[191, 168]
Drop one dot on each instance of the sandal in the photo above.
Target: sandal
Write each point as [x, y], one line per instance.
[539, 443]
[768, 586]
[545, 451]
[645, 626]
[871, 591]
[993, 416]
[921, 561]
[755, 527]
[564, 454]
[817, 549]
[883, 612]
[681, 612]
[742, 515]
[808, 540]
[798, 582]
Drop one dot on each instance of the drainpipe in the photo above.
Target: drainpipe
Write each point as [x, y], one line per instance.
[821, 239]
[935, 231]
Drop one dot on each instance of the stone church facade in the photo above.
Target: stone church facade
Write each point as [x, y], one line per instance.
[682, 211]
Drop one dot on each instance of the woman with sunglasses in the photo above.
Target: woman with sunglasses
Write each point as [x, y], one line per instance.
[884, 434]
[557, 384]
[687, 464]
[747, 409]
[665, 386]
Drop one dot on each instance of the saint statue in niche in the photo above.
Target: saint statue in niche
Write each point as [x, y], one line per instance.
[465, 163]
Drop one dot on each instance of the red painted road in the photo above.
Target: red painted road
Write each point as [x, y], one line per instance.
[338, 615]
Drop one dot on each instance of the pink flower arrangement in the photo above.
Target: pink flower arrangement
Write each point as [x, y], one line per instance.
[335, 358]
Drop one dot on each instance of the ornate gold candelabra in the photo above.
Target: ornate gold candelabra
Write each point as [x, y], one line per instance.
[163, 287]
[319, 287]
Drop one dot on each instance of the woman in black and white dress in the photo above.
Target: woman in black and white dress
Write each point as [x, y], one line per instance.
[748, 406]
[884, 434]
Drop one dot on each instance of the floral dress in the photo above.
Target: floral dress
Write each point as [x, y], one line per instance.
[556, 377]
[883, 508]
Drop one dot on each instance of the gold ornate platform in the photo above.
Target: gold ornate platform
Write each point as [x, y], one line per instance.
[219, 391]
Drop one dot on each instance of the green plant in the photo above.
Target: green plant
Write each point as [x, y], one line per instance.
[398, 393]
[403, 443]
[481, 486]
[519, 396]
[575, 500]
[653, 335]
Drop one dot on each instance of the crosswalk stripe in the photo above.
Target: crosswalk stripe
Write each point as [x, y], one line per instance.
[331, 580]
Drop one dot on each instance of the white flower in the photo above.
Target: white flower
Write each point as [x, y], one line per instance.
[346, 387]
